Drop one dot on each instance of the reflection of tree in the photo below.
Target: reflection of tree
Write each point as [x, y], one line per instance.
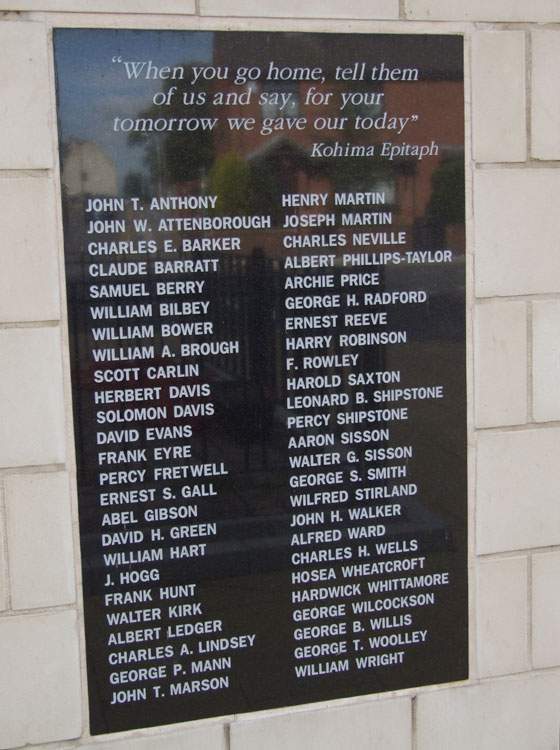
[244, 186]
[265, 190]
[229, 180]
[447, 200]
[176, 156]
[136, 184]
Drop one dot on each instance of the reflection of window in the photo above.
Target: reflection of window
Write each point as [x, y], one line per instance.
[278, 99]
[364, 103]
[388, 187]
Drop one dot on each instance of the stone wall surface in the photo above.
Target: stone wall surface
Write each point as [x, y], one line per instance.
[513, 230]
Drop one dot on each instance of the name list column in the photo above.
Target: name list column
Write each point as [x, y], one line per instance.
[359, 572]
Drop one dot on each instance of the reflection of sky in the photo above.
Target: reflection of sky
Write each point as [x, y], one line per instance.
[92, 90]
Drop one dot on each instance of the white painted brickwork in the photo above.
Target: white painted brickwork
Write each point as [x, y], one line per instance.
[32, 429]
[40, 685]
[380, 724]
[544, 11]
[517, 226]
[518, 475]
[501, 613]
[545, 100]
[3, 566]
[380, 9]
[39, 532]
[546, 609]
[211, 736]
[546, 360]
[499, 127]
[513, 163]
[513, 714]
[103, 6]
[297, 9]
[26, 119]
[29, 289]
[500, 339]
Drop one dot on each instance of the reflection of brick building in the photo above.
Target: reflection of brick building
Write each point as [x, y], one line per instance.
[436, 97]
[250, 167]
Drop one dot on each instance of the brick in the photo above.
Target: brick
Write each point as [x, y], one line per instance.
[384, 724]
[546, 360]
[3, 569]
[498, 84]
[545, 95]
[40, 549]
[483, 10]
[29, 288]
[31, 400]
[40, 691]
[546, 609]
[500, 364]
[501, 615]
[310, 9]
[516, 714]
[516, 230]
[517, 478]
[25, 133]
[194, 738]
[105, 6]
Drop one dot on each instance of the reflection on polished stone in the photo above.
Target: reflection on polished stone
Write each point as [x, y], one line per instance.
[265, 266]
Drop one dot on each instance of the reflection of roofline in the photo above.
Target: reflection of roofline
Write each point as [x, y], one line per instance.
[276, 144]
[438, 57]
[281, 146]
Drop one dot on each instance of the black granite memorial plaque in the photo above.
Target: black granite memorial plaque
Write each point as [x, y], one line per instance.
[265, 269]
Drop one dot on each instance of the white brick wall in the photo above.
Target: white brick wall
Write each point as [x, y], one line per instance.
[546, 360]
[32, 430]
[545, 95]
[545, 11]
[297, 9]
[39, 533]
[25, 124]
[29, 289]
[378, 724]
[40, 697]
[500, 339]
[498, 91]
[501, 616]
[517, 490]
[546, 609]
[516, 232]
[510, 701]
[211, 736]
[3, 564]
[103, 6]
[517, 714]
